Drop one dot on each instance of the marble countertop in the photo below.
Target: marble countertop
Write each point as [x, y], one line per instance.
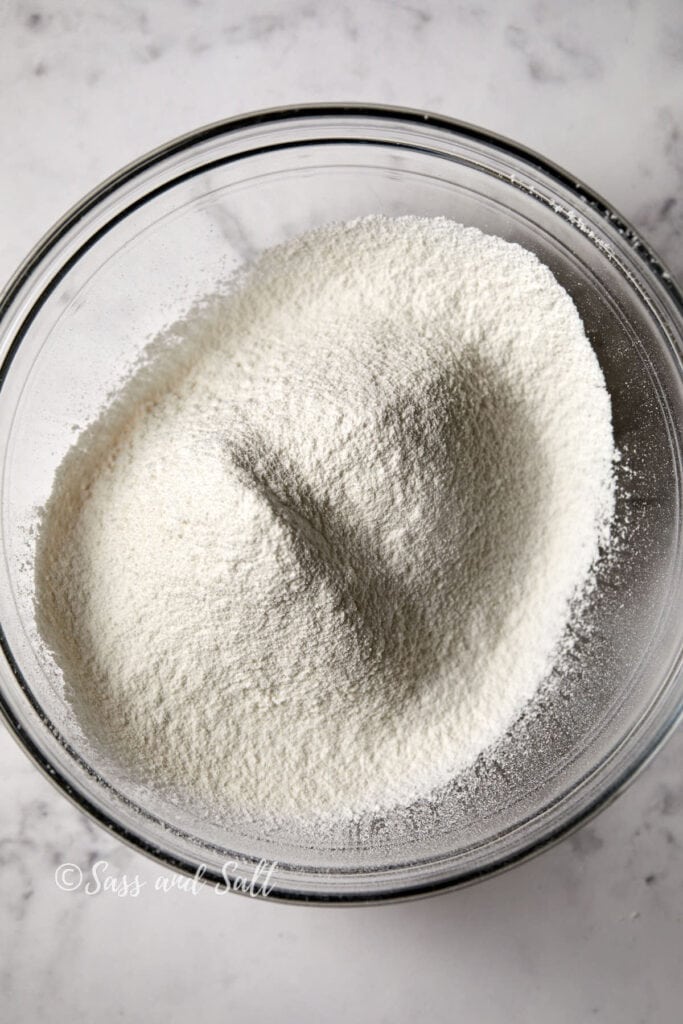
[591, 930]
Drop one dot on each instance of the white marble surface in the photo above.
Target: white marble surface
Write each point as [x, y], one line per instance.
[592, 930]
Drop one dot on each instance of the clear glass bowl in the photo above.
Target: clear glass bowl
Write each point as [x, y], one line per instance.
[131, 257]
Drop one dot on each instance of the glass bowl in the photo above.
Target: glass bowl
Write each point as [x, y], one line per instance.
[131, 257]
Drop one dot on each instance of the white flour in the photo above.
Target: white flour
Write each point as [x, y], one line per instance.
[319, 554]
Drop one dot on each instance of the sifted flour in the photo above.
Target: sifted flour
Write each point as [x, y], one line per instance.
[318, 554]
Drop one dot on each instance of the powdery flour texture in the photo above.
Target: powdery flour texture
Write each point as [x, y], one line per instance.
[319, 553]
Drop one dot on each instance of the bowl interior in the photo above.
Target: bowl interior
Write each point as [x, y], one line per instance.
[135, 260]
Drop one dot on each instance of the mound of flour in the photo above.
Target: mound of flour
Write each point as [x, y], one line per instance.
[319, 553]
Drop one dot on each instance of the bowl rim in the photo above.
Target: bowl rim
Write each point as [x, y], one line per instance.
[652, 264]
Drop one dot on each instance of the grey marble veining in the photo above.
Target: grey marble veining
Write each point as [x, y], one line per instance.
[593, 929]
